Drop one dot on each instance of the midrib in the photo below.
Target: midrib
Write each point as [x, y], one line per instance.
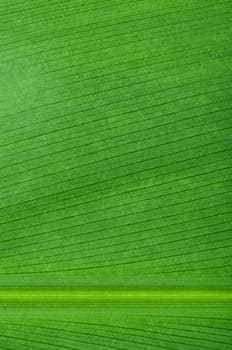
[53, 295]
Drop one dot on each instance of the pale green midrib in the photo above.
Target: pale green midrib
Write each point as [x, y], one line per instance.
[112, 295]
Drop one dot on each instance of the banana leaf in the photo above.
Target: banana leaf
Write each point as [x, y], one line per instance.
[115, 153]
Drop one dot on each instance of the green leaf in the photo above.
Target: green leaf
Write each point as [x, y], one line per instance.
[115, 147]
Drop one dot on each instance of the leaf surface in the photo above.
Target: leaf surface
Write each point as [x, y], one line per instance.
[115, 150]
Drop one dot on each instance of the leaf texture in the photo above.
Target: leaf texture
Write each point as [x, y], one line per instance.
[115, 147]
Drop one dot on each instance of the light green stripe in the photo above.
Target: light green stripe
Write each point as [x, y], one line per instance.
[107, 296]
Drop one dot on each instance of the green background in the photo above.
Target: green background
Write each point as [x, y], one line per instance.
[115, 153]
